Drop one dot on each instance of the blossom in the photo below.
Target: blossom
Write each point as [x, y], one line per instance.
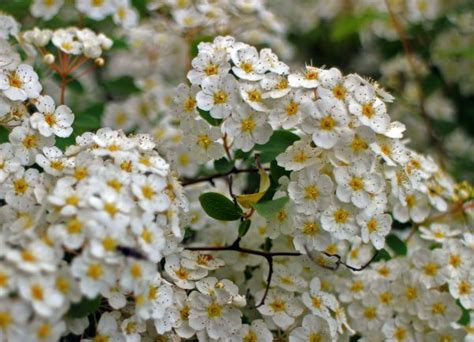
[281, 307]
[20, 84]
[313, 328]
[46, 9]
[95, 10]
[218, 95]
[247, 128]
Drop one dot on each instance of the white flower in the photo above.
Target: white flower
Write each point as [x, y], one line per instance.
[271, 60]
[313, 329]
[65, 40]
[332, 85]
[248, 65]
[14, 314]
[94, 9]
[183, 277]
[438, 309]
[429, 264]
[108, 329]
[288, 277]
[150, 192]
[218, 95]
[247, 128]
[42, 294]
[413, 206]
[257, 331]
[281, 306]
[367, 314]
[398, 329]
[462, 287]
[309, 235]
[298, 156]
[327, 121]
[9, 163]
[275, 86]
[135, 272]
[184, 102]
[201, 140]
[20, 187]
[46, 330]
[357, 183]
[27, 143]
[124, 14]
[206, 64]
[150, 236]
[288, 111]
[308, 79]
[320, 303]
[339, 220]
[33, 258]
[53, 161]
[111, 209]
[438, 232]
[252, 94]
[211, 310]
[20, 84]
[46, 9]
[95, 276]
[310, 190]
[374, 228]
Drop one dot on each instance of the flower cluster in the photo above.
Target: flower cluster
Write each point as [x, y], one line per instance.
[122, 12]
[254, 203]
[349, 169]
[71, 41]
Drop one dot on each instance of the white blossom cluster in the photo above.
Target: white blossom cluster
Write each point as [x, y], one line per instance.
[349, 169]
[71, 41]
[122, 12]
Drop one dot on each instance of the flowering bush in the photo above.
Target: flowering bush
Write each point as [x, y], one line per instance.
[223, 195]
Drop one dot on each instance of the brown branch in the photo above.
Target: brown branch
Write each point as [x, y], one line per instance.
[269, 258]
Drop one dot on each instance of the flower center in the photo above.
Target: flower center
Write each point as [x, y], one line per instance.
[214, 310]
[95, 271]
[50, 119]
[438, 308]
[14, 80]
[367, 110]
[204, 141]
[211, 69]
[356, 183]
[292, 108]
[248, 125]
[21, 186]
[247, 67]
[278, 305]
[29, 141]
[341, 216]
[220, 97]
[328, 123]
[339, 92]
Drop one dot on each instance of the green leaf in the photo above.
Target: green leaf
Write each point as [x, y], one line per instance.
[277, 171]
[382, 255]
[84, 308]
[220, 207]
[206, 116]
[244, 227]
[88, 119]
[195, 43]
[278, 143]
[223, 165]
[270, 208]
[123, 86]
[396, 245]
[465, 316]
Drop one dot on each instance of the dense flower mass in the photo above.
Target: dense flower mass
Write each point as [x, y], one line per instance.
[223, 195]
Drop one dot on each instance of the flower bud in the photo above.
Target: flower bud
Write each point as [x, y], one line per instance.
[99, 62]
[48, 59]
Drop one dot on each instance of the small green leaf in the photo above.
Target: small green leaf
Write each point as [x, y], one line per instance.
[210, 120]
[382, 255]
[84, 308]
[223, 165]
[123, 86]
[278, 143]
[465, 316]
[270, 208]
[220, 207]
[244, 227]
[396, 245]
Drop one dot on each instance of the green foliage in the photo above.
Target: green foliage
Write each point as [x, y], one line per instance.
[396, 245]
[278, 143]
[346, 26]
[270, 208]
[121, 86]
[220, 207]
[382, 255]
[465, 316]
[84, 308]
[223, 165]
[244, 227]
